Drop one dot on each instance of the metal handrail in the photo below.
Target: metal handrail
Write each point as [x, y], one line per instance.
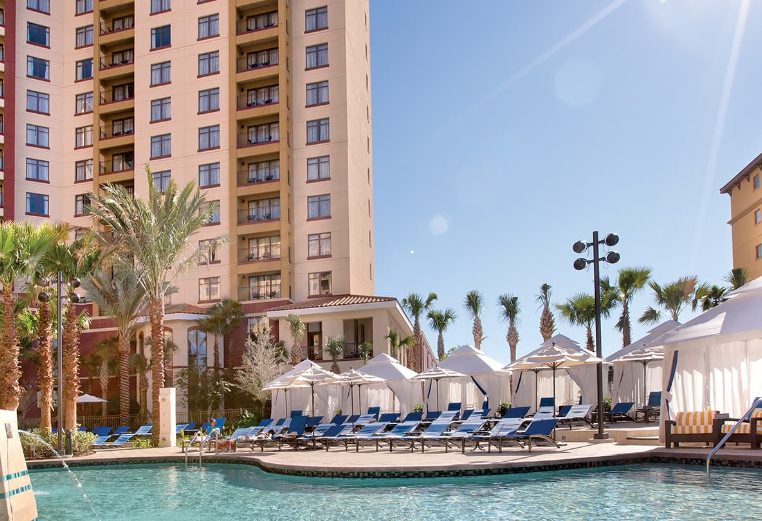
[746, 416]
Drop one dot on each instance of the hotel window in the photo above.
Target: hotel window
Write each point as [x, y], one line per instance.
[209, 26]
[36, 204]
[122, 127]
[208, 175]
[209, 100]
[264, 210]
[210, 251]
[756, 181]
[214, 216]
[160, 73]
[37, 170]
[262, 58]
[37, 102]
[264, 287]
[83, 136]
[161, 109]
[209, 137]
[759, 250]
[319, 283]
[37, 34]
[208, 63]
[208, 289]
[160, 6]
[84, 36]
[317, 56]
[757, 216]
[317, 93]
[122, 162]
[161, 180]
[83, 103]
[37, 135]
[266, 133]
[318, 168]
[122, 23]
[161, 37]
[122, 57]
[262, 96]
[261, 21]
[84, 69]
[319, 245]
[38, 68]
[42, 6]
[81, 205]
[161, 146]
[196, 348]
[318, 206]
[318, 131]
[122, 92]
[263, 171]
[315, 19]
[83, 170]
[263, 248]
[83, 6]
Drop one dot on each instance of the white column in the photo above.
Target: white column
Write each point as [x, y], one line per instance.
[167, 417]
[17, 501]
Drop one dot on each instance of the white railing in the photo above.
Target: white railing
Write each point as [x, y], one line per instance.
[746, 416]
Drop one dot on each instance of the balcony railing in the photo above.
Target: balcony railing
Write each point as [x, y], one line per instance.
[125, 25]
[253, 255]
[113, 64]
[246, 177]
[259, 293]
[254, 215]
[245, 102]
[247, 64]
[107, 167]
[248, 139]
[252, 25]
[109, 97]
[125, 128]
[350, 351]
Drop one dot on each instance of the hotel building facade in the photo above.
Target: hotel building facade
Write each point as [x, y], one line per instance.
[264, 104]
[746, 217]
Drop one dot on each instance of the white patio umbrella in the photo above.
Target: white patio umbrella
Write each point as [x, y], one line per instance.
[303, 375]
[89, 398]
[645, 356]
[552, 357]
[354, 378]
[437, 373]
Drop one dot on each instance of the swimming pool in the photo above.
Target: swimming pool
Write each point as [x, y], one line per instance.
[234, 491]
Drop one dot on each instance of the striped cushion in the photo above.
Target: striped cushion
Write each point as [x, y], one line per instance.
[693, 422]
[744, 428]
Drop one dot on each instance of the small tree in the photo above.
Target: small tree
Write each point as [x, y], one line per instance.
[297, 328]
[366, 351]
[102, 362]
[335, 347]
[262, 362]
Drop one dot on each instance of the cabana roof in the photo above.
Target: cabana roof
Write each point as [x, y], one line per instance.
[471, 362]
[652, 338]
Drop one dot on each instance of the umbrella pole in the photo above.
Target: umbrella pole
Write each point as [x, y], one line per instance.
[352, 394]
[312, 388]
[440, 410]
[554, 390]
[645, 383]
[536, 389]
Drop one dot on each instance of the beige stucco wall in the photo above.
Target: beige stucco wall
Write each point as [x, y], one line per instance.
[744, 201]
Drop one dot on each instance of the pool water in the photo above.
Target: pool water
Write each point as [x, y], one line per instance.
[229, 492]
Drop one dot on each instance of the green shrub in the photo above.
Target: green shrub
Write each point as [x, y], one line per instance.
[81, 442]
[502, 408]
[417, 407]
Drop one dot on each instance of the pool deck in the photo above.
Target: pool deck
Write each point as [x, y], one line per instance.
[434, 462]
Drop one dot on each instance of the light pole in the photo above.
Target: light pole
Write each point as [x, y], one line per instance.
[581, 263]
[44, 296]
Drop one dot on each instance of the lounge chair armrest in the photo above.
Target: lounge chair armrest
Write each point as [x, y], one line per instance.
[670, 423]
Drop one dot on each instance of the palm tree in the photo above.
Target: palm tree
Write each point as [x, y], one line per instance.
[673, 297]
[474, 303]
[44, 336]
[708, 296]
[397, 342]
[417, 306]
[22, 245]
[123, 298]
[297, 329]
[141, 365]
[335, 347]
[579, 310]
[154, 234]
[102, 361]
[737, 277]
[547, 321]
[629, 281]
[440, 320]
[221, 320]
[509, 311]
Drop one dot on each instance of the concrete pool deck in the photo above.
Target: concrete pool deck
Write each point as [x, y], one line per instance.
[434, 462]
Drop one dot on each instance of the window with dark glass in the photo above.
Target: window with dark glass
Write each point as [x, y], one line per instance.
[197, 345]
[316, 19]
[38, 68]
[161, 146]
[208, 175]
[84, 69]
[160, 73]
[37, 34]
[318, 130]
[317, 93]
[209, 26]
[81, 205]
[209, 100]
[209, 137]
[37, 102]
[161, 109]
[318, 168]
[161, 37]
[317, 56]
[208, 63]
[36, 204]
[37, 170]
[318, 206]
[42, 6]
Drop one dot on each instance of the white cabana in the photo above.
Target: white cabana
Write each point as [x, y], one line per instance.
[432, 376]
[485, 379]
[629, 378]
[645, 359]
[715, 360]
[296, 389]
[354, 382]
[398, 392]
[572, 384]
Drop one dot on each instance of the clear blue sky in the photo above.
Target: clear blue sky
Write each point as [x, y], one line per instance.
[506, 130]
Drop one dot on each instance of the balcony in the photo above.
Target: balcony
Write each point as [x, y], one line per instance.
[253, 108]
[258, 215]
[248, 177]
[257, 28]
[252, 70]
[261, 292]
[255, 3]
[115, 102]
[108, 6]
[350, 351]
[118, 133]
[117, 31]
[109, 168]
[114, 69]
[250, 139]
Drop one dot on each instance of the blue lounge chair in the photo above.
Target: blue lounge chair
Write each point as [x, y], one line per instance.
[180, 427]
[389, 417]
[374, 411]
[365, 419]
[652, 407]
[312, 421]
[352, 419]
[547, 411]
[620, 411]
[289, 435]
[122, 439]
[190, 426]
[366, 433]
[279, 421]
[576, 412]
[120, 430]
[467, 414]
[446, 417]
[548, 401]
[334, 433]
[537, 430]
[516, 412]
[239, 435]
[297, 413]
[501, 432]
[454, 406]
[101, 431]
[398, 432]
[143, 430]
[563, 409]
[413, 417]
[100, 440]
[459, 435]
[432, 432]
[432, 415]
[339, 419]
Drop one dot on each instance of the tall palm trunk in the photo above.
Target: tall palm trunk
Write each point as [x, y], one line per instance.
[45, 365]
[590, 343]
[440, 346]
[216, 352]
[414, 351]
[104, 378]
[9, 358]
[124, 380]
[156, 317]
[547, 324]
[626, 340]
[478, 332]
[513, 339]
[71, 368]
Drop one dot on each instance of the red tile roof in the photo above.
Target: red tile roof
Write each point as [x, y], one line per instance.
[333, 301]
[746, 172]
[185, 308]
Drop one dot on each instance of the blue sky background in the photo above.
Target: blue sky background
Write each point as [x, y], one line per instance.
[506, 130]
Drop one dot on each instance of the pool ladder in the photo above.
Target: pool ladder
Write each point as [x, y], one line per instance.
[746, 416]
[202, 440]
